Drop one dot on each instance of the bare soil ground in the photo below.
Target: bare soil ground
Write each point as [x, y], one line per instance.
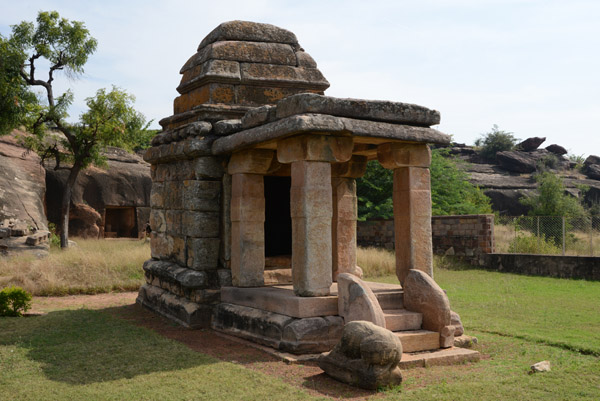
[122, 305]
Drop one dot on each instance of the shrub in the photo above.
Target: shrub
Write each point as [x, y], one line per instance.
[534, 245]
[14, 301]
[54, 238]
[494, 142]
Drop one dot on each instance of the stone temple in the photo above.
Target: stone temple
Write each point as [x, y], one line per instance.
[254, 201]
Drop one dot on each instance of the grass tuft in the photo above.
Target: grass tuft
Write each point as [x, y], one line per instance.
[93, 266]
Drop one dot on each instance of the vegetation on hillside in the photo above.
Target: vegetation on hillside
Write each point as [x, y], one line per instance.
[495, 141]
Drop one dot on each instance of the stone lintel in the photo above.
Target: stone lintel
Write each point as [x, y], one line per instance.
[252, 161]
[280, 300]
[374, 110]
[353, 168]
[327, 125]
[393, 155]
[319, 148]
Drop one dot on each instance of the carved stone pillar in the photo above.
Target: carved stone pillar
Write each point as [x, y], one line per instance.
[311, 207]
[345, 215]
[247, 169]
[412, 205]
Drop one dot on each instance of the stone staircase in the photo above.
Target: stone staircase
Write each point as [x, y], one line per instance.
[406, 324]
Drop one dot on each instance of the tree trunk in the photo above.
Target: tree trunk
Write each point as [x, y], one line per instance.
[66, 205]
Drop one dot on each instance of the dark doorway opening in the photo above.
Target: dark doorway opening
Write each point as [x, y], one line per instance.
[120, 222]
[278, 222]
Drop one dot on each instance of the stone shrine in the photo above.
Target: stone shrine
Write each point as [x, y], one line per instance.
[254, 200]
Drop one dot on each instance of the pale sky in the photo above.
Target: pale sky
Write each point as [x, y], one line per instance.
[532, 67]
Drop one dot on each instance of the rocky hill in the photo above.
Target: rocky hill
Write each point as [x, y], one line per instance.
[512, 176]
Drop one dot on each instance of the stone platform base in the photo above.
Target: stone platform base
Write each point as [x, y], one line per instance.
[278, 331]
[182, 311]
[282, 300]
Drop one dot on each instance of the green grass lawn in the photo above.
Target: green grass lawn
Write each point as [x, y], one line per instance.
[92, 355]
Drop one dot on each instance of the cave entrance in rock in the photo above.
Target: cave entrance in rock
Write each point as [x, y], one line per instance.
[278, 222]
[120, 222]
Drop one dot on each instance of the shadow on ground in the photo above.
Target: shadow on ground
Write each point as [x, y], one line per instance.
[86, 346]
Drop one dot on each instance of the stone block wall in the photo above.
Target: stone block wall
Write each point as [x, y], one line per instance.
[469, 235]
[572, 267]
[190, 262]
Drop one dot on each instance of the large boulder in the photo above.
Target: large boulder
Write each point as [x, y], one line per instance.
[84, 221]
[22, 185]
[557, 149]
[593, 171]
[517, 161]
[367, 356]
[356, 301]
[531, 144]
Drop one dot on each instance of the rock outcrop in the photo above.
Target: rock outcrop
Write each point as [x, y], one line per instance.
[123, 188]
[512, 178]
[22, 185]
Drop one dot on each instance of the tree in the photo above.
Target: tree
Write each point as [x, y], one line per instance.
[451, 192]
[494, 142]
[110, 119]
[551, 199]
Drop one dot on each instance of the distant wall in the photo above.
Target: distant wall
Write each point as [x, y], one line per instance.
[574, 267]
[470, 235]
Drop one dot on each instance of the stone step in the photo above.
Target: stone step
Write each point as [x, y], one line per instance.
[402, 320]
[418, 340]
[392, 299]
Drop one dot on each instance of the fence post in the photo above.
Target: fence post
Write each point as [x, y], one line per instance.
[539, 240]
[591, 236]
[563, 235]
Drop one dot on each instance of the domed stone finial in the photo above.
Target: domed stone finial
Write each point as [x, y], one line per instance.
[241, 65]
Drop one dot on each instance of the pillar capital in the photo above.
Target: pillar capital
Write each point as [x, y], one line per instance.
[251, 161]
[315, 147]
[353, 168]
[393, 155]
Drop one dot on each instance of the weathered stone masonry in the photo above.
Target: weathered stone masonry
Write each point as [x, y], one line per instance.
[256, 169]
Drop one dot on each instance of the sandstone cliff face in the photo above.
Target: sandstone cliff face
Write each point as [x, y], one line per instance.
[513, 176]
[22, 185]
[122, 187]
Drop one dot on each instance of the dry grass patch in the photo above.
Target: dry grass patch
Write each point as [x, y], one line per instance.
[93, 266]
[376, 262]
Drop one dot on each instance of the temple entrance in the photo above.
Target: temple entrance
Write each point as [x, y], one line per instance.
[278, 223]
[278, 230]
[120, 222]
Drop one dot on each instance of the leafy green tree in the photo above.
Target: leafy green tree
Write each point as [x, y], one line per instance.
[495, 141]
[374, 192]
[451, 192]
[551, 199]
[109, 120]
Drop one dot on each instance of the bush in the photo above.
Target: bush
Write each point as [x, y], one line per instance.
[494, 142]
[14, 301]
[534, 245]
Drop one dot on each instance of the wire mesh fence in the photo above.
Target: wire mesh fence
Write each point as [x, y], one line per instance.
[547, 235]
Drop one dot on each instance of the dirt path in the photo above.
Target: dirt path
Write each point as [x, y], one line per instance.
[122, 305]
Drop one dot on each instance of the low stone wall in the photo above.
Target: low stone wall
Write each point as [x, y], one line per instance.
[469, 235]
[375, 233]
[574, 267]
